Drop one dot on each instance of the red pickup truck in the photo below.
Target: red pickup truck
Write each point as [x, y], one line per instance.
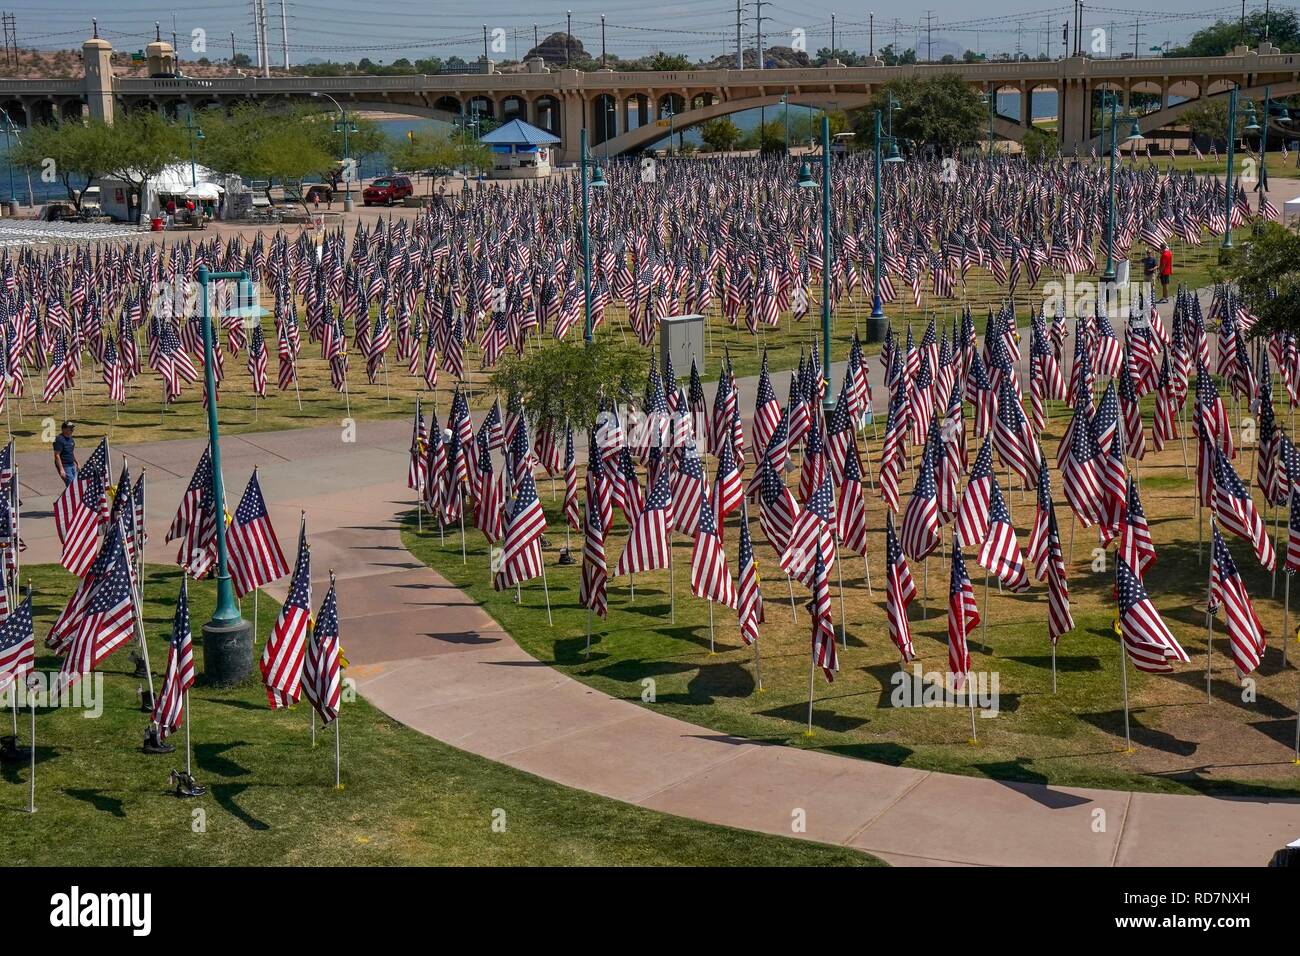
[387, 191]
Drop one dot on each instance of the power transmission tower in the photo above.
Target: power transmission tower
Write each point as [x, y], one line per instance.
[758, 19]
[740, 48]
[11, 39]
[284, 34]
[929, 43]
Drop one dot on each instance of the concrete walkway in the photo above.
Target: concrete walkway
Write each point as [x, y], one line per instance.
[432, 659]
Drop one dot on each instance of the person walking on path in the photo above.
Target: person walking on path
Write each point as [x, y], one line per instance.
[1166, 271]
[65, 457]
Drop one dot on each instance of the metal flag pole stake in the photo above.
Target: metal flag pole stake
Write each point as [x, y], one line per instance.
[794, 617]
[188, 768]
[338, 782]
[31, 775]
[587, 653]
[672, 590]
[313, 728]
[970, 699]
[546, 589]
[1123, 663]
[1209, 626]
[711, 646]
[844, 638]
[1053, 667]
[812, 671]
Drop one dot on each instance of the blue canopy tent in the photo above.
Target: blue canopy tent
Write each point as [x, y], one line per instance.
[520, 150]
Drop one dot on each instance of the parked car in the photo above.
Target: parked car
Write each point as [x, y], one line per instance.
[387, 190]
[91, 201]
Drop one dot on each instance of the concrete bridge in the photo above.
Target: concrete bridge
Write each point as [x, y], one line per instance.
[629, 111]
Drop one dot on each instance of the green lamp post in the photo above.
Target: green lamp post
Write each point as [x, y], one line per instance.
[1111, 99]
[227, 637]
[806, 181]
[595, 181]
[877, 323]
[344, 126]
[196, 133]
[1227, 192]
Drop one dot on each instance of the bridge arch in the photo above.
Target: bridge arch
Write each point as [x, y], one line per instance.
[643, 136]
[603, 121]
[546, 108]
[513, 107]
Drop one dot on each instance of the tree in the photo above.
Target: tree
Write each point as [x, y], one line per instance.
[1281, 27]
[941, 111]
[568, 380]
[720, 135]
[1038, 144]
[1209, 118]
[142, 144]
[257, 143]
[768, 138]
[80, 153]
[662, 62]
[241, 60]
[1266, 268]
[892, 57]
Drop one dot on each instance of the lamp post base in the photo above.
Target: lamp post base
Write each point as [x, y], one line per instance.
[347, 203]
[875, 328]
[227, 653]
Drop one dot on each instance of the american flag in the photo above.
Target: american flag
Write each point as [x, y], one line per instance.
[255, 555]
[767, 408]
[921, 517]
[282, 658]
[188, 511]
[973, 512]
[521, 548]
[812, 534]
[710, 578]
[1245, 634]
[892, 452]
[824, 653]
[108, 618]
[1148, 641]
[595, 571]
[257, 362]
[777, 509]
[728, 488]
[17, 643]
[963, 616]
[851, 509]
[169, 708]
[1081, 466]
[112, 374]
[60, 373]
[322, 674]
[647, 543]
[900, 589]
[416, 470]
[749, 596]
[687, 488]
[572, 508]
[1136, 545]
[1292, 563]
[81, 536]
[1012, 436]
[1236, 511]
[1001, 552]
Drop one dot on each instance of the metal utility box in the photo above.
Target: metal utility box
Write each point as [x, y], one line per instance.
[681, 338]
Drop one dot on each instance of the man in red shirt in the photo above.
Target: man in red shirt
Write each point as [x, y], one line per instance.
[1166, 270]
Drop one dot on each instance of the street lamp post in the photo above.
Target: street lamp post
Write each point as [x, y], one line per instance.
[595, 181]
[227, 637]
[877, 323]
[343, 126]
[1227, 193]
[195, 132]
[1112, 98]
[806, 181]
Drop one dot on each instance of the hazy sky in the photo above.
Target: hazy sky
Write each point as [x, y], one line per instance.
[385, 31]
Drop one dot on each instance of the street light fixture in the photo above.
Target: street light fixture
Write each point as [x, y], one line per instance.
[196, 133]
[596, 181]
[343, 126]
[806, 181]
[1111, 98]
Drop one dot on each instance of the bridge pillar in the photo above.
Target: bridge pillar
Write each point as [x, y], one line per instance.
[1074, 107]
[97, 57]
[573, 112]
[1026, 105]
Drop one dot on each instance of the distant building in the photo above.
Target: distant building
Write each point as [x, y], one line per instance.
[520, 151]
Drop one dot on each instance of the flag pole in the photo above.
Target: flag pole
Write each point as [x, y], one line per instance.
[547, 590]
[844, 638]
[1053, 667]
[672, 591]
[812, 671]
[31, 774]
[1209, 626]
[1123, 664]
[794, 617]
[188, 769]
[711, 650]
[338, 782]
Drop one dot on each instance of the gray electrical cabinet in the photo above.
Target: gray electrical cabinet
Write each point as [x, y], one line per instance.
[681, 338]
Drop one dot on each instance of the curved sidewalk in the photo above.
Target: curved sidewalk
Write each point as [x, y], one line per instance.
[424, 653]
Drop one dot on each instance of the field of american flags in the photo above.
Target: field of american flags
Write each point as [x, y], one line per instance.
[1073, 737]
[408, 799]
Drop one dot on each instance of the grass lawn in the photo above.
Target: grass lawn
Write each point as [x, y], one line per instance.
[407, 799]
[1240, 742]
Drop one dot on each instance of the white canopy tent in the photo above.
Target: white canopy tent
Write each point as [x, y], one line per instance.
[1290, 210]
[174, 182]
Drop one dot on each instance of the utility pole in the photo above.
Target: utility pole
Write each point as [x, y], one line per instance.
[758, 29]
[568, 34]
[535, 39]
[485, 48]
[232, 47]
[1137, 36]
[740, 49]
[929, 42]
[832, 36]
[284, 33]
[871, 35]
[602, 41]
